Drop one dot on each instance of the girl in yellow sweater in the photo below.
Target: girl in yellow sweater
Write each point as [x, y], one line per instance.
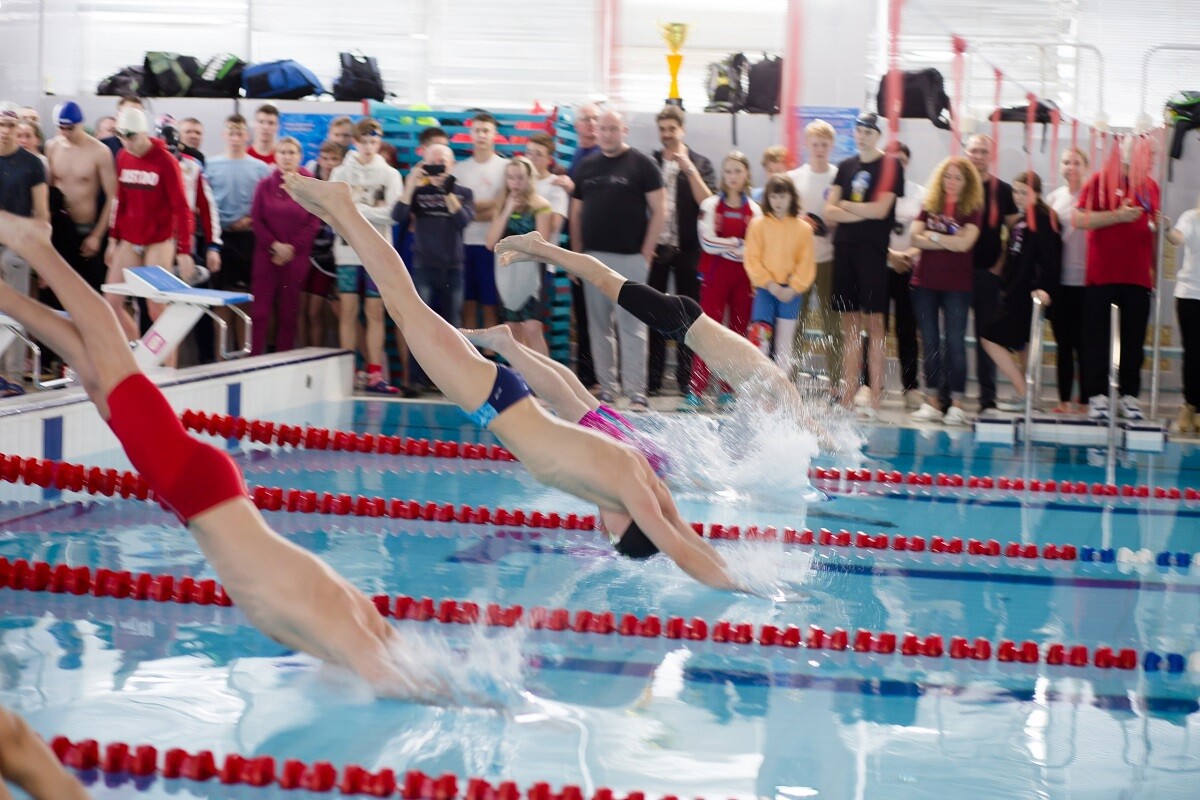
[779, 260]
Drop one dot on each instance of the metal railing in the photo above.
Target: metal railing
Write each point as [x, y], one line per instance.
[1114, 366]
[223, 327]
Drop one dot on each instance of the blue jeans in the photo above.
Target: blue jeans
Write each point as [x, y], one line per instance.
[944, 346]
[440, 288]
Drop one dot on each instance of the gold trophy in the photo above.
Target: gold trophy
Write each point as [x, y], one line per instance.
[674, 34]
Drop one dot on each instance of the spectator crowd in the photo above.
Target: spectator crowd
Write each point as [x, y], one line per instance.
[811, 264]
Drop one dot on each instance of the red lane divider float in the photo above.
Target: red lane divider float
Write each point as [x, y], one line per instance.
[834, 480]
[144, 760]
[39, 576]
[313, 438]
[109, 482]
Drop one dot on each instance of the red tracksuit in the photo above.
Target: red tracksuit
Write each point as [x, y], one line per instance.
[151, 206]
[724, 286]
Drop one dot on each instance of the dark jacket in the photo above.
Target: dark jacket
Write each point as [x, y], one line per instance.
[1034, 261]
[437, 233]
[687, 210]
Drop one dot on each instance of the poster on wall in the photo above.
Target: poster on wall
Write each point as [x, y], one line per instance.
[309, 130]
[841, 118]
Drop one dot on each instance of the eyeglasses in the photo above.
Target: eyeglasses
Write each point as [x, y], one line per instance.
[372, 134]
[126, 134]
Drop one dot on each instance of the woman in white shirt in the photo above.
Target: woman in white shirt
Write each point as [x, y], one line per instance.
[1067, 301]
[1186, 236]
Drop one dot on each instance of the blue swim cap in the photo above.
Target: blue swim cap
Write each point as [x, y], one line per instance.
[68, 113]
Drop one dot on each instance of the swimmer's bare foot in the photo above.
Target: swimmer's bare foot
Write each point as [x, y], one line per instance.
[512, 248]
[321, 198]
[497, 337]
[19, 232]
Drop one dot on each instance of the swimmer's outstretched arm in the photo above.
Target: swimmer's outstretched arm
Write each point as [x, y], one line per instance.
[30, 764]
[581, 265]
[550, 380]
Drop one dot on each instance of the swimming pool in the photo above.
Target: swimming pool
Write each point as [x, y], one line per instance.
[659, 715]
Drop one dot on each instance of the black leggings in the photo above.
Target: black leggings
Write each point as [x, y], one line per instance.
[669, 314]
[1066, 319]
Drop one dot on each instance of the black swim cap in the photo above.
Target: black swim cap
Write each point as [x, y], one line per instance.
[635, 544]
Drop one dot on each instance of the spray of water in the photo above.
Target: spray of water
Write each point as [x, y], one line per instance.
[769, 570]
[484, 669]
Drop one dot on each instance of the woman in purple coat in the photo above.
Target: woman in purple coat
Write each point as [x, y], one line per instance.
[283, 233]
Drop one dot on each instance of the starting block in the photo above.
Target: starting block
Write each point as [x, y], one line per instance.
[12, 332]
[184, 307]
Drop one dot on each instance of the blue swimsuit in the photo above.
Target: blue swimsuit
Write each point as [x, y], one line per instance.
[509, 388]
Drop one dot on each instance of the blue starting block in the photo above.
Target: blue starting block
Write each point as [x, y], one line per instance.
[12, 332]
[184, 307]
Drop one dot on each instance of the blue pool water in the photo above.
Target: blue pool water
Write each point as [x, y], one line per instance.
[665, 717]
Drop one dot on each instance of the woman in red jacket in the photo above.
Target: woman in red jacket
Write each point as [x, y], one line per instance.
[283, 237]
[725, 288]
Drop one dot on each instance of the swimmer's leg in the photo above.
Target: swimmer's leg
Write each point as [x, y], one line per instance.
[580, 265]
[92, 341]
[449, 360]
[550, 381]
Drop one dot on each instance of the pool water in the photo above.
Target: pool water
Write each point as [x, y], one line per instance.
[661, 716]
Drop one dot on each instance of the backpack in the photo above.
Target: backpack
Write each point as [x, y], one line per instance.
[169, 74]
[726, 84]
[360, 79]
[1183, 110]
[1021, 114]
[764, 84]
[221, 76]
[924, 97]
[282, 80]
[126, 82]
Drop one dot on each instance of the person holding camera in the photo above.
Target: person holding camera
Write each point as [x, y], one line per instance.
[440, 210]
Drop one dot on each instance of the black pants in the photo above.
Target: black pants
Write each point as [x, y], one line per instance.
[1066, 320]
[584, 368]
[1188, 312]
[985, 297]
[681, 264]
[899, 301]
[1134, 302]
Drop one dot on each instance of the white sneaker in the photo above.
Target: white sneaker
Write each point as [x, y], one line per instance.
[955, 416]
[913, 399]
[1098, 408]
[863, 396]
[1011, 406]
[1131, 408]
[926, 413]
[867, 412]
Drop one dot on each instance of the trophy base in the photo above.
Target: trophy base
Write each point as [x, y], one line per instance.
[674, 101]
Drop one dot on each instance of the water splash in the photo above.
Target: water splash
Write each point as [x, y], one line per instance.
[770, 570]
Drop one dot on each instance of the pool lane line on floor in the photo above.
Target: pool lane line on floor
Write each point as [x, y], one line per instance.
[39, 576]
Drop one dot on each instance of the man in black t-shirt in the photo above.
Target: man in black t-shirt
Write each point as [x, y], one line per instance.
[617, 214]
[24, 192]
[988, 259]
[862, 200]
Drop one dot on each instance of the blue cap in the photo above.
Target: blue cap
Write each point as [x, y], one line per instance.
[68, 113]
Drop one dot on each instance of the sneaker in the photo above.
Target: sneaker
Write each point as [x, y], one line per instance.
[381, 387]
[927, 413]
[10, 388]
[863, 396]
[1131, 408]
[1010, 406]
[639, 405]
[725, 401]
[913, 399]
[360, 380]
[867, 413]
[1098, 408]
[692, 402]
[955, 416]
[606, 398]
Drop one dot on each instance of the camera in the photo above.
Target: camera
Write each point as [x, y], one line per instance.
[435, 169]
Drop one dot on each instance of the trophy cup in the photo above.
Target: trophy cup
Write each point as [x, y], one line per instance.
[674, 34]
